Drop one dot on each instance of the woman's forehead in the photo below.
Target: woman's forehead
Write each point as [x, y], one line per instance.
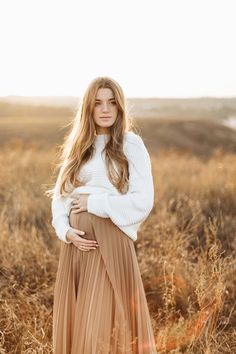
[104, 94]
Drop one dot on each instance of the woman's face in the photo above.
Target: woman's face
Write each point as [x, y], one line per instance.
[105, 110]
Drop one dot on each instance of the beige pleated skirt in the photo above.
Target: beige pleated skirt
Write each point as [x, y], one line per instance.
[100, 305]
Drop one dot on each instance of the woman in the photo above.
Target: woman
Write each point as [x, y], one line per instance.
[104, 191]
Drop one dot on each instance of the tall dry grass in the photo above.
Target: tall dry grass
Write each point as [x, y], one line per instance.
[186, 252]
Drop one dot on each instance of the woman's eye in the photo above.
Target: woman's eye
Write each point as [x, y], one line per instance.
[98, 103]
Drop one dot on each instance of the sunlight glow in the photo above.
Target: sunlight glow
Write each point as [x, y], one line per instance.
[153, 48]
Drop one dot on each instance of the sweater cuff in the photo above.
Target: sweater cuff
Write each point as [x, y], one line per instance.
[96, 205]
[62, 234]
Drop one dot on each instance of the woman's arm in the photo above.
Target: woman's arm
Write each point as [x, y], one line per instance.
[60, 213]
[134, 206]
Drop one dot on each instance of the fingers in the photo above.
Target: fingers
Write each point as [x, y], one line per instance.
[78, 232]
[82, 243]
[77, 208]
[92, 243]
[76, 202]
[79, 204]
[85, 248]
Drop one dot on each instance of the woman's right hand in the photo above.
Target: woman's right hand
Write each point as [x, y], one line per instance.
[83, 244]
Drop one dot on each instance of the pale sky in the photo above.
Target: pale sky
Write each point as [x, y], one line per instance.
[166, 48]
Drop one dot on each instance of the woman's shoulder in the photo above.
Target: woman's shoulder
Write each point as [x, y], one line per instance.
[132, 138]
[133, 144]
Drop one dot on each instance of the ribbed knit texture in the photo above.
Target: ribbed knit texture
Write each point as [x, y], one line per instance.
[127, 211]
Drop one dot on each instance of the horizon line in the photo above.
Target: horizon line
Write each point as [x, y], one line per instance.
[127, 97]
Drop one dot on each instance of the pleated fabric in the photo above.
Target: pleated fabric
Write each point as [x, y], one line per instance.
[100, 305]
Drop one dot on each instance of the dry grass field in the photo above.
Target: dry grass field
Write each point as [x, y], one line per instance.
[186, 247]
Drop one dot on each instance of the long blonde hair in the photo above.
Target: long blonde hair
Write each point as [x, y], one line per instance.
[78, 146]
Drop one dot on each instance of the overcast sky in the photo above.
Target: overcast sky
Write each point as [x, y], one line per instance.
[167, 48]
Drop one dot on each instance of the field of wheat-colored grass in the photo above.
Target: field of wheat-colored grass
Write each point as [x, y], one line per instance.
[186, 247]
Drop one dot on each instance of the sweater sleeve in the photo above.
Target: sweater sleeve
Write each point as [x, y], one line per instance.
[134, 206]
[60, 212]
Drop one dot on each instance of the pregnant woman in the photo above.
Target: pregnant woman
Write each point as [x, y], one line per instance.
[104, 191]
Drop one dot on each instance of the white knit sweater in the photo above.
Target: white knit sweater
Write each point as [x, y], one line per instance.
[127, 211]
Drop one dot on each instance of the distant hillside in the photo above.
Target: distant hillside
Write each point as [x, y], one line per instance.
[198, 137]
[190, 108]
[198, 126]
[54, 101]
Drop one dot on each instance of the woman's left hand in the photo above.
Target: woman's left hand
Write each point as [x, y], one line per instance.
[79, 204]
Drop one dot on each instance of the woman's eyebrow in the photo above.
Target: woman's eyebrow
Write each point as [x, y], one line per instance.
[110, 99]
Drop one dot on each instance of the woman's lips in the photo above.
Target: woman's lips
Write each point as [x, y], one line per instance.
[105, 117]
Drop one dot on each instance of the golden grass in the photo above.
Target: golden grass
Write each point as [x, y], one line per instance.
[186, 252]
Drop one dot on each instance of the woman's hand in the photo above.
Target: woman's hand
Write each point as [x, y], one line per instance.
[79, 204]
[80, 242]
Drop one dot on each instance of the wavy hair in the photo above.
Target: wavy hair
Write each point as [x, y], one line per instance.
[78, 146]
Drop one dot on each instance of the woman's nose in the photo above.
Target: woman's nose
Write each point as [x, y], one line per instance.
[105, 107]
